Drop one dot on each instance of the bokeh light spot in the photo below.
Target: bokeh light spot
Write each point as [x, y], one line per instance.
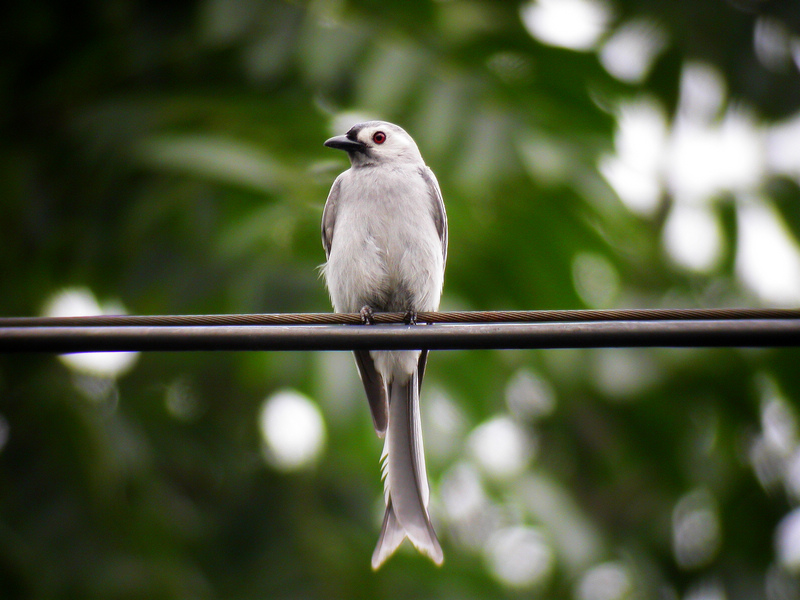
[607, 581]
[696, 530]
[622, 373]
[693, 237]
[595, 279]
[292, 429]
[81, 302]
[767, 259]
[519, 556]
[572, 24]
[635, 168]
[530, 396]
[502, 447]
[630, 52]
[181, 400]
[787, 541]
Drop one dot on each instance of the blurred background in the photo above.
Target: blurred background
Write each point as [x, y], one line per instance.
[167, 158]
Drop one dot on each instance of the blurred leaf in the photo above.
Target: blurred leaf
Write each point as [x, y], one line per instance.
[226, 161]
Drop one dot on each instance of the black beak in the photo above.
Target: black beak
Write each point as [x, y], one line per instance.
[342, 142]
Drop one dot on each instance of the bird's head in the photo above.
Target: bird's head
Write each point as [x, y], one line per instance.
[377, 143]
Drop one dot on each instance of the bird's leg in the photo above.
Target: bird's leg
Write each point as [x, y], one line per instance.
[367, 315]
[410, 318]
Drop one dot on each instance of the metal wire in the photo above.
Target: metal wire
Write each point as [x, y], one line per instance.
[453, 330]
[506, 316]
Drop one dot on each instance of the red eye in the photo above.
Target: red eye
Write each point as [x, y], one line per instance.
[379, 137]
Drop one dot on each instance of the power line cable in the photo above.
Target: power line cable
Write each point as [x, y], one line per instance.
[505, 316]
[447, 330]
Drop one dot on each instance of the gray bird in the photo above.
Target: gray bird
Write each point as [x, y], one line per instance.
[384, 230]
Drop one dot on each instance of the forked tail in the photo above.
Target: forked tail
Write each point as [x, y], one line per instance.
[405, 479]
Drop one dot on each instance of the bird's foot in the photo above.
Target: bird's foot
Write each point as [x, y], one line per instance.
[367, 315]
[410, 318]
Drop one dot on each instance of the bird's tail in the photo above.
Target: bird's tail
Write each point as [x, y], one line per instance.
[405, 478]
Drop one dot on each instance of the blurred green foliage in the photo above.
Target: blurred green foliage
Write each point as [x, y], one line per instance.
[169, 156]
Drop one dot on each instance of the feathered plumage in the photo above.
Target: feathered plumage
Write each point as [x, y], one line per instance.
[384, 230]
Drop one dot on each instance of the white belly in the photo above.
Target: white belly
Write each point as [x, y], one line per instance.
[385, 252]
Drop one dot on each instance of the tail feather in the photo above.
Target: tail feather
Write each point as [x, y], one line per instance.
[392, 535]
[405, 478]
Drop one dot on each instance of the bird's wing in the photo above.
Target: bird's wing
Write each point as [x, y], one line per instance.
[421, 363]
[329, 215]
[437, 206]
[376, 390]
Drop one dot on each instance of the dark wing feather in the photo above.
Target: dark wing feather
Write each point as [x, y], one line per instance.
[437, 206]
[329, 216]
[376, 390]
[440, 220]
[421, 363]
